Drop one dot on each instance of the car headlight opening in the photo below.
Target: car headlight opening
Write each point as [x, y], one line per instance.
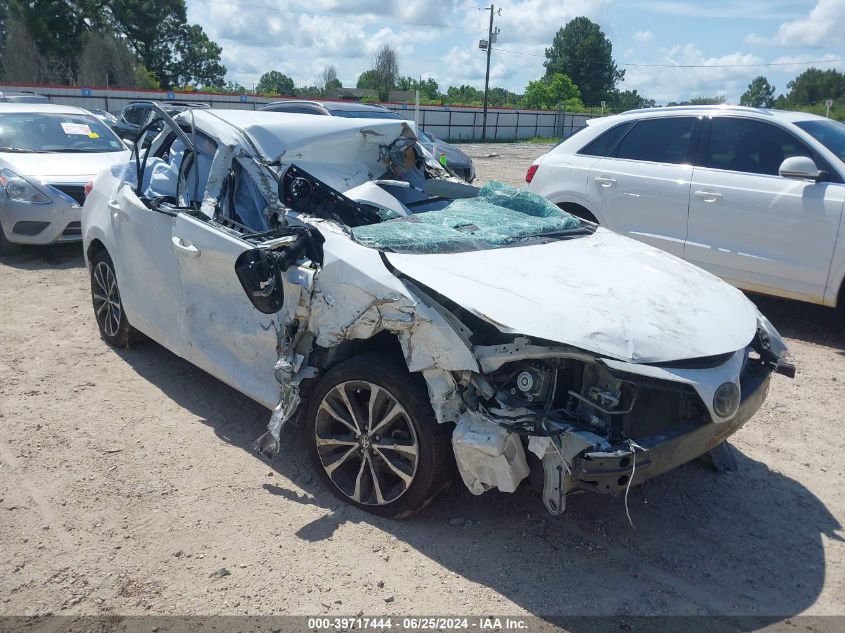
[20, 189]
[726, 400]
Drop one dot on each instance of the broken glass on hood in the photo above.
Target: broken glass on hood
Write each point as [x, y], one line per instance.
[501, 215]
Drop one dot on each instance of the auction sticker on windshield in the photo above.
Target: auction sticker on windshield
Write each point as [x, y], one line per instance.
[76, 128]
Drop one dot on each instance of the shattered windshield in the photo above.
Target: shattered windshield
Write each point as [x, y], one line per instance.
[500, 216]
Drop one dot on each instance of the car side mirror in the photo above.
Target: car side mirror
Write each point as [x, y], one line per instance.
[260, 275]
[801, 168]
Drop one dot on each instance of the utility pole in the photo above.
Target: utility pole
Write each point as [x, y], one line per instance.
[489, 46]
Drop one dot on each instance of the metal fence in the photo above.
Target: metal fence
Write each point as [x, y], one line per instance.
[451, 123]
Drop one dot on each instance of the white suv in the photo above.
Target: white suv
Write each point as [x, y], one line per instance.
[754, 196]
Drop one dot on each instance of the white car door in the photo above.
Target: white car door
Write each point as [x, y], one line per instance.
[641, 188]
[146, 267]
[225, 334]
[750, 226]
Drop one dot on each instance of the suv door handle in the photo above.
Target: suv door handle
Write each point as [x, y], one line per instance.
[708, 196]
[186, 247]
[605, 182]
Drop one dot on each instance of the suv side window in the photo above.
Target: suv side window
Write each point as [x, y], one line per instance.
[134, 114]
[663, 140]
[604, 144]
[750, 146]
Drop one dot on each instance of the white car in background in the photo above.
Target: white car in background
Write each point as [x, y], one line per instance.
[329, 269]
[48, 154]
[754, 196]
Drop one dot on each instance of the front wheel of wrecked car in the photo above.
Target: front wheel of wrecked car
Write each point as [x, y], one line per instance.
[373, 437]
[108, 308]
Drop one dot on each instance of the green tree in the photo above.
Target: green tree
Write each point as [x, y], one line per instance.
[4, 29]
[367, 80]
[760, 94]
[105, 60]
[56, 28]
[699, 101]
[329, 80]
[166, 45]
[386, 70]
[622, 100]
[814, 86]
[22, 62]
[499, 97]
[309, 92]
[552, 92]
[464, 95]
[429, 90]
[581, 51]
[197, 60]
[275, 83]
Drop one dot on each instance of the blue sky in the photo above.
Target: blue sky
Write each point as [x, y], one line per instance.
[652, 40]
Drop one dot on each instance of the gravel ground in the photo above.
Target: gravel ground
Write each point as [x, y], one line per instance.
[128, 486]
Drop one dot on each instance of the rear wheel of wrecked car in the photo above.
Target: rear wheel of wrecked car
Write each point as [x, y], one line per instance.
[373, 437]
[108, 308]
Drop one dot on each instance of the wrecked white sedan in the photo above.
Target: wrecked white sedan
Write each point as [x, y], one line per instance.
[331, 270]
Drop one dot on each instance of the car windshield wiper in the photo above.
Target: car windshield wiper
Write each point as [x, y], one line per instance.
[71, 150]
[18, 150]
[581, 230]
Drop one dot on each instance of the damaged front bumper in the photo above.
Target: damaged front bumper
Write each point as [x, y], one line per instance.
[612, 471]
[575, 458]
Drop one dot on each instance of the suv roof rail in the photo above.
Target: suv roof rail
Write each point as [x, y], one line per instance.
[193, 104]
[700, 108]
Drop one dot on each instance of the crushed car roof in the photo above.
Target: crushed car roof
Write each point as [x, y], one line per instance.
[276, 133]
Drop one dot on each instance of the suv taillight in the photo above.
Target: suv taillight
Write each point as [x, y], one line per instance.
[88, 187]
[529, 176]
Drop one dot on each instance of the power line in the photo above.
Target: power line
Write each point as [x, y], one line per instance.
[592, 61]
[347, 16]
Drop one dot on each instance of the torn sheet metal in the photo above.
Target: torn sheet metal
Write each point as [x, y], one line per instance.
[612, 295]
[356, 297]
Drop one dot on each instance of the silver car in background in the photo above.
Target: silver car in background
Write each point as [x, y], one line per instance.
[48, 153]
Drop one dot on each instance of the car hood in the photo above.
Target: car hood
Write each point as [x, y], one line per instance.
[64, 166]
[602, 293]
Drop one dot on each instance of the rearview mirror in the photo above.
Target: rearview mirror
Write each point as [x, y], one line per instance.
[801, 167]
[259, 274]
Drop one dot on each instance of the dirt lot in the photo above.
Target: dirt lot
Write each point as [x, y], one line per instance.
[127, 481]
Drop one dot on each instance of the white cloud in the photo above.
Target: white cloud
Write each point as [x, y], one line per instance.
[644, 36]
[461, 66]
[676, 81]
[824, 25]
[752, 9]
[796, 64]
[537, 21]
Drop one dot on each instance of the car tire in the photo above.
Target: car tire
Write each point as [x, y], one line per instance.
[406, 453]
[108, 307]
[7, 247]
